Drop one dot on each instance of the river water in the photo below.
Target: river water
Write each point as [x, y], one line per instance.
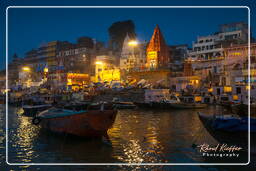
[140, 135]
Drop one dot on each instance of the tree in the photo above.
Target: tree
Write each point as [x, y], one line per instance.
[117, 32]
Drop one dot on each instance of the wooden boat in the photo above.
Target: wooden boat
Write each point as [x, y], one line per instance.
[164, 103]
[228, 128]
[144, 104]
[76, 105]
[32, 110]
[242, 109]
[84, 123]
[124, 105]
[188, 105]
[118, 104]
[188, 102]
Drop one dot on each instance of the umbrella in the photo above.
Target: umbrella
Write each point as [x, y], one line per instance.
[141, 82]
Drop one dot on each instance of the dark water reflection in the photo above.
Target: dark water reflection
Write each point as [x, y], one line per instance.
[147, 136]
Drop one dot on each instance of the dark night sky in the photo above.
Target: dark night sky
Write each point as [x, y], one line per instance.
[28, 28]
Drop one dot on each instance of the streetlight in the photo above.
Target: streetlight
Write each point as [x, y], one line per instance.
[132, 43]
[27, 69]
[99, 63]
[46, 69]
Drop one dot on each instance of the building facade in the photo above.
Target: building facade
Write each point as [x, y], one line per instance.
[133, 55]
[178, 54]
[157, 51]
[105, 70]
[211, 47]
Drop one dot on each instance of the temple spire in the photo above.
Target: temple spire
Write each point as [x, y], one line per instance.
[157, 50]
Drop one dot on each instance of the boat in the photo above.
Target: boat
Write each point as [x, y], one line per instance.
[84, 123]
[75, 105]
[123, 105]
[158, 99]
[32, 110]
[227, 101]
[241, 109]
[189, 102]
[183, 105]
[229, 129]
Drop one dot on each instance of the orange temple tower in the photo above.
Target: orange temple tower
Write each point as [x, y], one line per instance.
[157, 51]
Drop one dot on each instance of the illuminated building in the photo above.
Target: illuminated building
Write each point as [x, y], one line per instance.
[157, 51]
[207, 54]
[105, 70]
[133, 55]
[180, 83]
[76, 80]
[211, 47]
[236, 64]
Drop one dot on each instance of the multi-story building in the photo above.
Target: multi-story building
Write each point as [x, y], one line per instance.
[212, 46]
[54, 60]
[236, 65]
[207, 54]
[178, 53]
[133, 55]
[13, 69]
[105, 70]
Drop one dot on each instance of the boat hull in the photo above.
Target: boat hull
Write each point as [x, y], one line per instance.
[157, 105]
[33, 110]
[242, 110]
[124, 105]
[188, 106]
[225, 135]
[92, 123]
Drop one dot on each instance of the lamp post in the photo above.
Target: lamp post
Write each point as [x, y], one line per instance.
[133, 44]
[26, 70]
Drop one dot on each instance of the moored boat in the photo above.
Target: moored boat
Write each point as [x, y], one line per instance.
[32, 110]
[118, 104]
[228, 128]
[76, 105]
[158, 99]
[242, 109]
[188, 105]
[84, 123]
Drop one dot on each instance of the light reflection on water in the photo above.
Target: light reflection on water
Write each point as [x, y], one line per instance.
[147, 136]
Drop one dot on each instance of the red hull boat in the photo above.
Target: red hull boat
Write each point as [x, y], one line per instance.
[90, 123]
